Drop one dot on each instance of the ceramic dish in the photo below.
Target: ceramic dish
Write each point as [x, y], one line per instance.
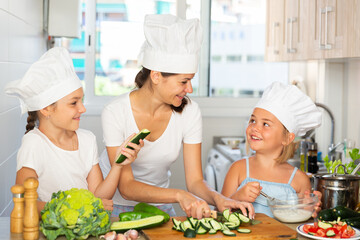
[300, 230]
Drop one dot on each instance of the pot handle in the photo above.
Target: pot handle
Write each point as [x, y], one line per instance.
[336, 168]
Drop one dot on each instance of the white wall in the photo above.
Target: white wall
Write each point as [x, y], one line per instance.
[21, 43]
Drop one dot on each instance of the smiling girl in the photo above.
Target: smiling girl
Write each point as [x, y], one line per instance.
[160, 104]
[54, 150]
[282, 113]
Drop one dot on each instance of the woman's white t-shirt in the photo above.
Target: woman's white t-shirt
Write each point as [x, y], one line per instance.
[152, 165]
[58, 169]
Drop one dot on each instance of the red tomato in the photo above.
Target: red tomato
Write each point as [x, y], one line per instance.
[320, 232]
[351, 232]
[345, 235]
[306, 228]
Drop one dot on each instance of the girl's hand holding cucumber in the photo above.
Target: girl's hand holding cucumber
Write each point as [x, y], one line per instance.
[129, 150]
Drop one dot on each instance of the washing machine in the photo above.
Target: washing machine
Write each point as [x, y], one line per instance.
[218, 164]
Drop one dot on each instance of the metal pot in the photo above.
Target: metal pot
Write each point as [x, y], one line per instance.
[339, 189]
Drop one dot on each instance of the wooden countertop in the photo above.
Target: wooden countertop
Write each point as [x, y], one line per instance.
[269, 226]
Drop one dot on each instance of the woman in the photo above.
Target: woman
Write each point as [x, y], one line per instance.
[169, 58]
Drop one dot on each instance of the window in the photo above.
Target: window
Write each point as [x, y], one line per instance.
[237, 47]
[234, 46]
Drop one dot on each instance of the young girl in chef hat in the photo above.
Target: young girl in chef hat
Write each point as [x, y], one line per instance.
[56, 152]
[282, 113]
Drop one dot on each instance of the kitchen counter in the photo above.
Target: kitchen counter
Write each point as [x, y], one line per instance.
[6, 235]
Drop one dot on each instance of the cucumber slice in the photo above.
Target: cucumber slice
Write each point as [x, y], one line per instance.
[231, 225]
[233, 218]
[193, 221]
[324, 225]
[176, 223]
[212, 231]
[243, 218]
[185, 225]
[330, 233]
[215, 225]
[190, 233]
[205, 225]
[228, 233]
[243, 230]
[226, 214]
[201, 230]
[141, 135]
[143, 223]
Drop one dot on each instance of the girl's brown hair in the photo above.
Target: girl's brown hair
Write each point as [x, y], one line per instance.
[144, 74]
[31, 121]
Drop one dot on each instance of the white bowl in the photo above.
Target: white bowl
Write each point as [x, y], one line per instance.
[293, 208]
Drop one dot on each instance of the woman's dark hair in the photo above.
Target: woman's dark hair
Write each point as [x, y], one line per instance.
[143, 76]
[31, 121]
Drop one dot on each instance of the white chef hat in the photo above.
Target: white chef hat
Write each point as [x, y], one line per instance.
[172, 44]
[49, 79]
[295, 110]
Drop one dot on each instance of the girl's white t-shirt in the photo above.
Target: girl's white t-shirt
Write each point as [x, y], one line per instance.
[58, 169]
[152, 165]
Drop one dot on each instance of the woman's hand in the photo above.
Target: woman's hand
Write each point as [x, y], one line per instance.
[248, 193]
[193, 206]
[131, 154]
[223, 203]
[108, 204]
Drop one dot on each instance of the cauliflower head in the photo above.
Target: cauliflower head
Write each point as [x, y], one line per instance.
[75, 213]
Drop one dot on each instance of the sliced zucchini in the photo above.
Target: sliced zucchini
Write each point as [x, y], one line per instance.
[193, 221]
[212, 231]
[205, 225]
[324, 225]
[226, 214]
[330, 233]
[186, 225]
[201, 230]
[176, 223]
[228, 233]
[190, 233]
[231, 225]
[243, 230]
[215, 225]
[243, 218]
[143, 223]
[233, 218]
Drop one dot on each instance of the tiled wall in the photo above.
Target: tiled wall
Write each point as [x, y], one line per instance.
[21, 43]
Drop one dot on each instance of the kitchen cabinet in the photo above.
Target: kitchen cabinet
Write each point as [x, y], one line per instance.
[313, 29]
[275, 30]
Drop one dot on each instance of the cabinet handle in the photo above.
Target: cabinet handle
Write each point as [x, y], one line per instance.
[275, 25]
[325, 11]
[290, 21]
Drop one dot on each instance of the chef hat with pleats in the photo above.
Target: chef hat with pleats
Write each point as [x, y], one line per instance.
[49, 79]
[295, 110]
[172, 44]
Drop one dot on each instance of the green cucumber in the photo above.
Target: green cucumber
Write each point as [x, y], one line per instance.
[330, 233]
[354, 222]
[344, 212]
[226, 214]
[215, 225]
[212, 231]
[190, 233]
[243, 230]
[327, 215]
[139, 224]
[129, 216]
[324, 225]
[233, 218]
[144, 207]
[141, 135]
[228, 233]
[243, 218]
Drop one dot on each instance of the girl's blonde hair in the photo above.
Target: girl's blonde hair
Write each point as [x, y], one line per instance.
[287, 152]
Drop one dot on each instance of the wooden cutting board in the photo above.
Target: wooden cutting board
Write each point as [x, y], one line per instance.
[269, 228]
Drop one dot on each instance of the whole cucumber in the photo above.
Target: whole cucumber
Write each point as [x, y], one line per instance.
[144, 207]
[129, 216]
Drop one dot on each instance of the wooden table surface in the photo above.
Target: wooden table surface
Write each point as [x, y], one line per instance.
[268, 229]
